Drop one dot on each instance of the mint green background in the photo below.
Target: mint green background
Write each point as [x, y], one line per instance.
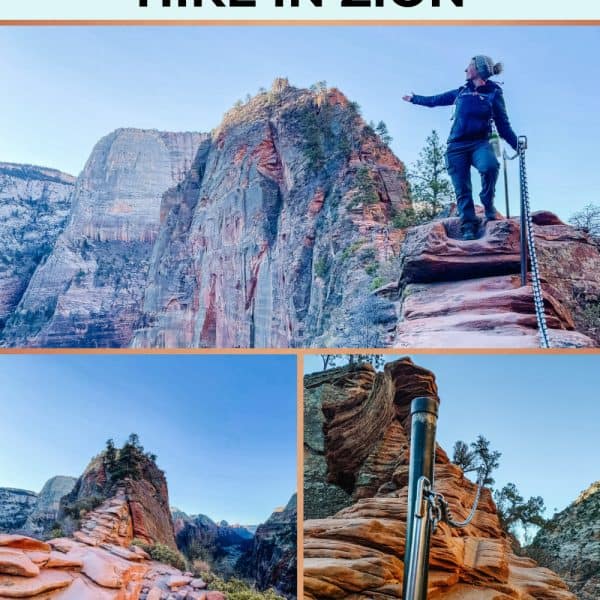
[265, 9]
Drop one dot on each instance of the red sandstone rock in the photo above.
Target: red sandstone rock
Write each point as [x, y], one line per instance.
[176, 581]
[16, 562]
[23, 543]
[80, 571]
[154, 594]
[26, 587]
[59, 560]
[357, 552]
[468, 294]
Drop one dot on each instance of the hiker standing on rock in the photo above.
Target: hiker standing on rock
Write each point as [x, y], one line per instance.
[478, 104]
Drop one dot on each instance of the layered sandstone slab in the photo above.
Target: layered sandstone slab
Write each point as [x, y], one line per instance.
[456, 293]
[357, 552]
[82, 570]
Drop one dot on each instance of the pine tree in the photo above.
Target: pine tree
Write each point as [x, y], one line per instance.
[382, 130]
[477, 457]
[110, 456]
[431, 189]
[330, 361]
[514, 511]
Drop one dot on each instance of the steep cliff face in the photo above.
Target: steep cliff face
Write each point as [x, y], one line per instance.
[357, 552]
[15, 508]
[45, 513]
[142, 500]
[34, 205]
[89, 290]
[570, 544]
[272, 560]
[269, 240]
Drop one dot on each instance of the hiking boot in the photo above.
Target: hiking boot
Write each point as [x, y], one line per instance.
[468, 233]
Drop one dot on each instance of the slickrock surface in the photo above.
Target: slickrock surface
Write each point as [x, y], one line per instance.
[98, 562]
[357, 552]
[67, 569]
[570, 544]
[454, 293]
[89, 290]
[34, 205]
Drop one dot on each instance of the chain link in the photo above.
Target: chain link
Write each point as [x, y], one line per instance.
[538, 295]
[440, 509]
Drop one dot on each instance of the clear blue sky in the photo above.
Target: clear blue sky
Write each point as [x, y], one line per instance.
[541, 412]
[223, 427]
[64, 88]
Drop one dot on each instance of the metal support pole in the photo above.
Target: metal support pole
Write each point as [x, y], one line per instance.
[506, 186]
[522, 148]
[424, 413]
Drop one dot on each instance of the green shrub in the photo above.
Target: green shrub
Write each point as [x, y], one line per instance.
[349, 250]
[200, 568]
[591, 315]
[368, 255]
[236, 589]
[366, 190]
[409, 217]
[79, 509]
[372, 268]
[164, 554]
[377, 283]
[56, 531]
[322, 267]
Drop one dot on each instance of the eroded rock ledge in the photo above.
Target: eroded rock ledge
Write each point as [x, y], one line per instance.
[359, 436]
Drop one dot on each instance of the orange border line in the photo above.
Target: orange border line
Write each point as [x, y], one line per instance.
[304, 22]
[300, 497]
[299, 352]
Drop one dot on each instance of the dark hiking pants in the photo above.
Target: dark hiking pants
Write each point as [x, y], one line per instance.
[459, 159]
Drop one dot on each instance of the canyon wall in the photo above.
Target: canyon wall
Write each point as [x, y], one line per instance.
[34, 206]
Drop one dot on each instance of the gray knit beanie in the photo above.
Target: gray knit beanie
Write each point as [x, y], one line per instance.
[486, 67]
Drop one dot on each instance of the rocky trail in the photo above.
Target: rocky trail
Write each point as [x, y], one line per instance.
[98, 563]
[455, 293]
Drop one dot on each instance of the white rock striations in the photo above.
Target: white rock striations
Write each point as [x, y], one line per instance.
[88, 292]
[34, 205]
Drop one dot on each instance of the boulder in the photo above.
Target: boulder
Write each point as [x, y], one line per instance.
[17, 562]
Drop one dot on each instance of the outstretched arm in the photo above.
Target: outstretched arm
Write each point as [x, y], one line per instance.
[445, 99]
[502, 123]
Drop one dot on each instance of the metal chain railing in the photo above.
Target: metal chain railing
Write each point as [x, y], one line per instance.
[441, 509]
[528, 244]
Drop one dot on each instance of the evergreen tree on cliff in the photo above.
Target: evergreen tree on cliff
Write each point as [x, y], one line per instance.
[431, 190]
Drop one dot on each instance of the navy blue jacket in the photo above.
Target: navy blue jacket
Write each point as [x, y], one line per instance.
[475, 109]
